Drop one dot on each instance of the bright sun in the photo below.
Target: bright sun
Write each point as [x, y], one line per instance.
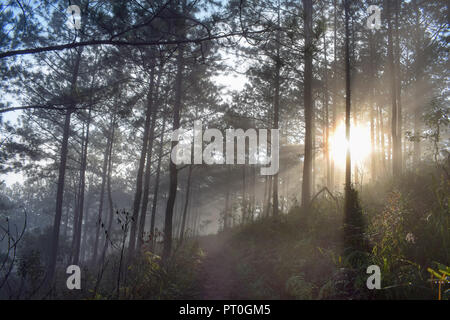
[360, 146]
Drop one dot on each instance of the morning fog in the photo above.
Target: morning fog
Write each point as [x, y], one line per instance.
[235, 147]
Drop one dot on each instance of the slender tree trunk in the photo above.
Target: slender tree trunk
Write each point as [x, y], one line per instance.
[253, 197]
[308, 105]
[419, 82]
[226, 214]
[178, 214]
[61, 175]
[382, 139]
[109, 191]
[173, 178]
[84, 248]
[269, 202]
[335, 90]
[391, 58]
[355, 164]
[276, 107]
[417, 136]
[348, 163]
[288, 180]
[156, 190]
[398, 87]
[148, 167]
[76, 257]
[389, 148]
[378, 133]
[77, 210]
[372, 107]
[190, 218]
[186, 203]
[102, 197]
[138, 193]
[76, 191]
[264, 201]
[196, 215]
[313, 166]
[244, 196]
[326, 118]
[66, 223]
[372, 142]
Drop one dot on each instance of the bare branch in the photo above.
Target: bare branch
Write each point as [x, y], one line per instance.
[121, 43]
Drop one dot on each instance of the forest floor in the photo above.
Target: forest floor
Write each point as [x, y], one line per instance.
[218, 280]
[301, 256]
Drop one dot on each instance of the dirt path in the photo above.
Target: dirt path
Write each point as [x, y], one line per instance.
[218, 281]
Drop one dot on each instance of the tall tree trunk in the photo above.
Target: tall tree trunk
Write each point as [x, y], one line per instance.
[102, 197]
[276, 107]
[335, 90]
[173, 174]
[308, 105]
[156, 190]
[269, 193]
[382, 138]
[417, 137]
[419, 82]
[244, 196]
[84, 248]
[377, 135]
[253, 196]
[77, 210]
[190, 217]
[389, 147]
[108, 230]
[355, 164]
[313, 166]
[348, 163]
[178, 214]
[66, 223]
[186, 203]
[61, 174]
[391, 58]
[196, 214]
[226, 214]
[138, 193]
[77, 246]
[76, 190]
[326, 116]
[372, 107]
[148, 167]
[264, 201]
[372, 142]
[398, 87]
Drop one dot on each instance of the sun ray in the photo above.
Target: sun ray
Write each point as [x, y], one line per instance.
[360, 145]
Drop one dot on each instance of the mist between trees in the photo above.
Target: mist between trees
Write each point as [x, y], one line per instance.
[213, 153]
[91, 118]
